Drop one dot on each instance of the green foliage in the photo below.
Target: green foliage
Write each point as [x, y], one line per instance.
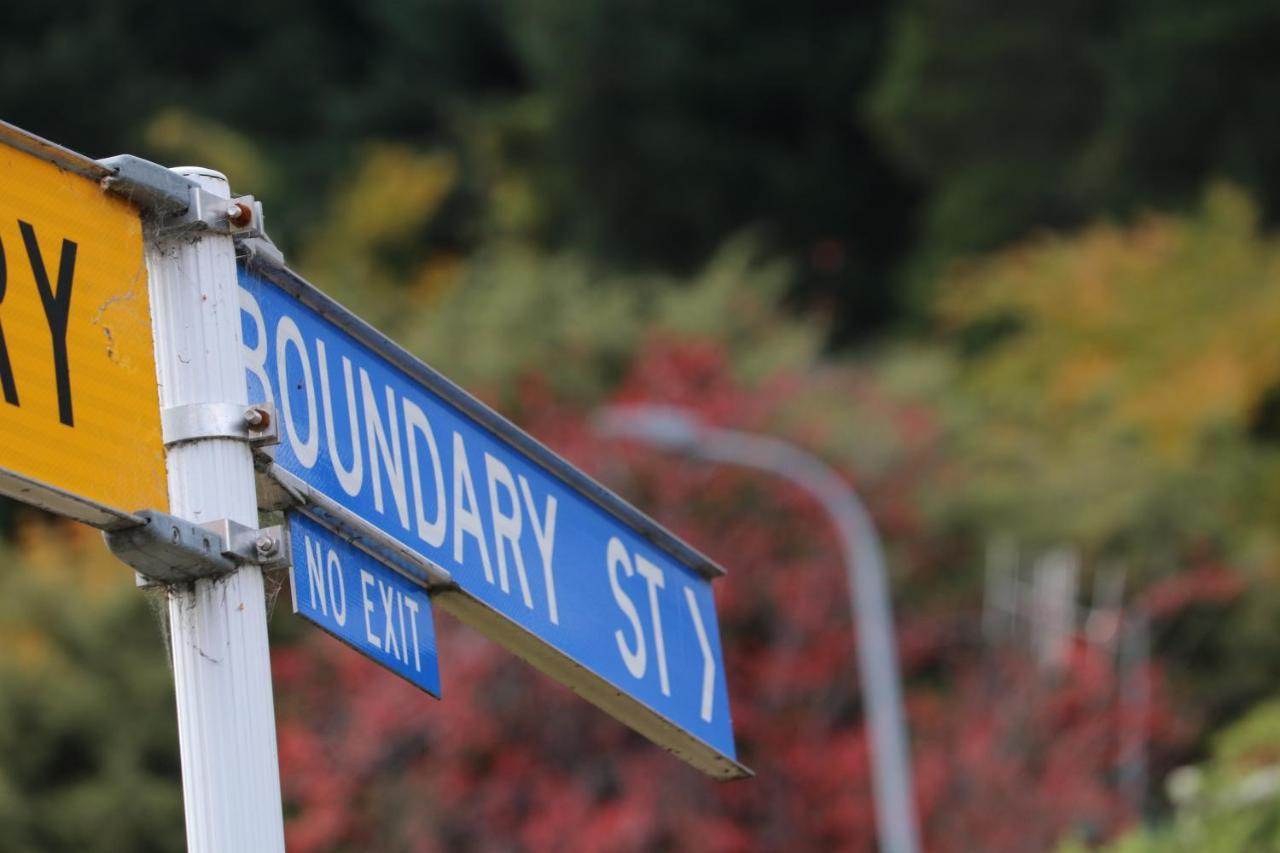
[86, 706]
[347, 72]
[644, 135]
[1111, 385]
[528, 194]
[674, 124]
[1110, 389]
[1020, 116]
[1231, 803]
[516, 313]
[991, 103]
[369, 243]
[178, 133]
[647, 135]
[1188, 89]
[510, 311]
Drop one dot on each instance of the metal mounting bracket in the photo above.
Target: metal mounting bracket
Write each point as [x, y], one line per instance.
[261, 249]
[244, 544]
[255, 424]
[172, 550]
[150, 186]
[175, 204]
[240, 216]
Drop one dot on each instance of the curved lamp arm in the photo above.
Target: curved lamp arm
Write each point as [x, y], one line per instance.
[679, 431]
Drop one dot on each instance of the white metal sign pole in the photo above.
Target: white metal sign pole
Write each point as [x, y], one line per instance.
[221, 667]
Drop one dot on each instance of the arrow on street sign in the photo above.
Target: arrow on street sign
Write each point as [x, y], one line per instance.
[516, 542]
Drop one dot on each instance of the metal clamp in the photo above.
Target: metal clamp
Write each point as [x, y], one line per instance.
[261, 249]
[176, 204]
[172, 550]
[153, 188]
[278, 490]
[255, 424]
[240, 216]
[244, 544]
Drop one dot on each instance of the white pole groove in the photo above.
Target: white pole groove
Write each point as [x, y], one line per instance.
[221, 663]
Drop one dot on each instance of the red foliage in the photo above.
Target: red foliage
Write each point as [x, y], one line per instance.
[1209, 584]
[1006, 758]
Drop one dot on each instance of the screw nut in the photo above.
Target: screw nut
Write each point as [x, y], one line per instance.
[257, 418]
[239, 214]
[265, 546]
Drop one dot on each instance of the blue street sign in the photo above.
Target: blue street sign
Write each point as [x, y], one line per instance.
[370, 607]
[541, 558]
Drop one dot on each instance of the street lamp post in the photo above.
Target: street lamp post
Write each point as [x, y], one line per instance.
[679, 431]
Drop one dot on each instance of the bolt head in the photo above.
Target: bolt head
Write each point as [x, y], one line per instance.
[239, 214]
[265, 545]
[257, 418]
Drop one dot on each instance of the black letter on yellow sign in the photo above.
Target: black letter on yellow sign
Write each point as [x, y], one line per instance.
[6, 369]
[57, 308]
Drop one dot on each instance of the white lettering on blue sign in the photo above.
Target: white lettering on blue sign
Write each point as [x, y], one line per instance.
[535, 550]
[332, 580]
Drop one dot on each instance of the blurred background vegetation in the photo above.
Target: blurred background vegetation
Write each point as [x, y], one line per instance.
[1011, 267]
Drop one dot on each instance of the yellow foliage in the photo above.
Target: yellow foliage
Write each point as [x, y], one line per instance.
[395, 191]
[393, 194]
[1168, 328]
[61, 558]
[512, 311]
[436, 278]
[204, 142]
[72, 553]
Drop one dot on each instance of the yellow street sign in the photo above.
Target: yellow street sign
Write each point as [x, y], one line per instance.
[79, 410]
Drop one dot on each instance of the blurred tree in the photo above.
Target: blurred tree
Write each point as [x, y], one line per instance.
[547, 338]
[345, 73]
[1229, 804]
[1126, 373]
[590, 322]
[1005, 760]
[670, 126]
[1018, 117]
[471, 177]
[1188, 87]
[87, 731]
[1115, 389]
[648, 135]
[991, 104]
[509, 311]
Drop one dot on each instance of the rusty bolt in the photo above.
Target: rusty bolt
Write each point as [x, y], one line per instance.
[257, 418]
[239, 214]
